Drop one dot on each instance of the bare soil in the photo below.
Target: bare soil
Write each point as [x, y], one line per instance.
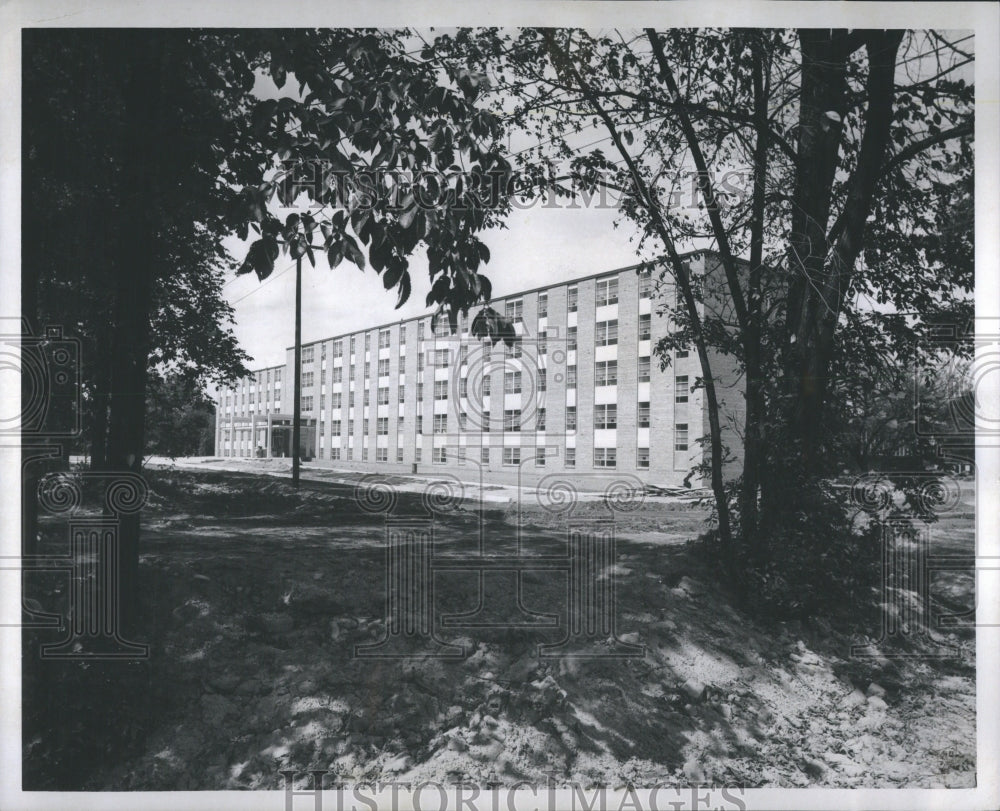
[257, 596]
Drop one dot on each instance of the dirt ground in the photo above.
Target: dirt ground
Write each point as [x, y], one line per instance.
[257, 597]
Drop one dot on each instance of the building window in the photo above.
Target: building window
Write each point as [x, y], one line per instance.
[420, 330]
[420, 361]
[381, 454]
[463, 354]
[463, 387]
[354, 343]
[543, 382]
[400, 425]
[543, 305]
[335, 454]
[308, 353]
[368, 341]
[461, 453]
[680, 388]
[382, 426]
[486, 386]
[514, 350]
[571, 339]
[607, 291]
[604, 457]
[512, 382]
[383, 367]
[484, 456]
[440, 389]
[681, 354]
[572, 296]
[571, 418]
[338, 349]
[440, 455]
[645, 327]
[336, 399]
[402, 339]
[646, 285]
[539, 457]
[643, 370]
[418, 452]
[364, 454]
[353, 371]
[402, 394]
[383, 395]
[570, 457]
[681, 437]
[368, 396]
[399, 454]
[440, 423]
[540, 420]
[605, 416]
[338, 374]
[463, 421]
[607, 333]
[307, 403]
[322, 404]
[420, 392]
[350, 427]
[571, 377]
[542, 344]
[642, 458]
[335, 426]
[277, 375]
[368, 369]
[515, 310]
[606, 373]
[644, 415]
[512, 456]
[366, 425]
[512, 419]
[441, 358]
[383, 339]
[307, 381]
[486, 421]
[420, 423]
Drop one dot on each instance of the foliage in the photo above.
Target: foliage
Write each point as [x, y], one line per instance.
[852, 208]
[180, 417]
[387, 153]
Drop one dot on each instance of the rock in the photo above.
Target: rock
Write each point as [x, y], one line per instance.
[694, 772]
[202, 577]
[224, 683]
[694, 689]
[632, 638]
[877, 703]
[726, 710]
[692, 587]
[813, 768]
[399, 764]
[854, 699]
[456, 744]
[875, 690]
[215, 708]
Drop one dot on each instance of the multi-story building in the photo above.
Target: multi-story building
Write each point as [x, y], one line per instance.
[580, 393]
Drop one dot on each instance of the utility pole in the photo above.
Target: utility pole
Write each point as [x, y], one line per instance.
[297, 402]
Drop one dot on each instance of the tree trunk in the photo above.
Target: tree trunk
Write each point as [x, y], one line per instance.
[133, 279]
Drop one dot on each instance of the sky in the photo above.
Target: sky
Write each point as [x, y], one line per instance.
[538, 247]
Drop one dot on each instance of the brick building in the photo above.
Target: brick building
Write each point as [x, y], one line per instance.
[580, 395]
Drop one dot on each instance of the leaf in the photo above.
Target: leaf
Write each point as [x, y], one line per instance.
[336, 254]
[260, 258]
[353, 252]
[278, 74]
[404, 290]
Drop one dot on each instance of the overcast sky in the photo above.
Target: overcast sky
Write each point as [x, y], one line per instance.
[539, 247]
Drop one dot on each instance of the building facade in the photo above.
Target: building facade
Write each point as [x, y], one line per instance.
[580, 394]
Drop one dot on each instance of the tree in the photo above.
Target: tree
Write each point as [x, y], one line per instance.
[173, 153]
[181, 417]
[852, 141]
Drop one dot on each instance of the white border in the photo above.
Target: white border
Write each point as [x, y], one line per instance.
[982, 17]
